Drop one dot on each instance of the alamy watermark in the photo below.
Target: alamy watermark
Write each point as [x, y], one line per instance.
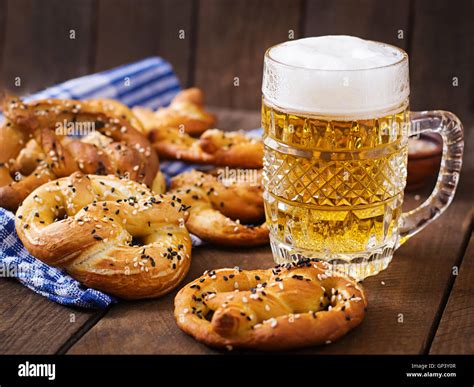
[74, 128]
[229, 176]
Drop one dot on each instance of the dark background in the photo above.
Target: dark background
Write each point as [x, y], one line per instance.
[227, 38]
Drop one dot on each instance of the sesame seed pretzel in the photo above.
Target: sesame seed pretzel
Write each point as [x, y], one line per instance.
[172, 132]
[185, 112]
[219, 212]
[115, 147]
[12, 140]
[216, 147]
[290, 306]
[108, 233]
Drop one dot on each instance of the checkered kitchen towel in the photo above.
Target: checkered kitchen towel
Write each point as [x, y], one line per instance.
[151, 83]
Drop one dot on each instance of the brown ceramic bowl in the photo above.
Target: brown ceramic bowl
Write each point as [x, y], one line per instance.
[424, 158]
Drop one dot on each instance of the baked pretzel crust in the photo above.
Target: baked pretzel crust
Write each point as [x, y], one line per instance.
[116, 147]
[219, 212]
[108, 233]
[216, 147]
[186, 112]
[291, 306]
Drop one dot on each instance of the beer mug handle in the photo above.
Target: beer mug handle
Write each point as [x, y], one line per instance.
[450, 128]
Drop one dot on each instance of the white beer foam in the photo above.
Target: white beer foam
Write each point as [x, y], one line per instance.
[336, 75]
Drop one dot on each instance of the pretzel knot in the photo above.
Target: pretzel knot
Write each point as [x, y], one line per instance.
[114, 145]
[185, 112]
[216, 147]
[219, 212]
[110, 234]
[290, 306]
[172, 132]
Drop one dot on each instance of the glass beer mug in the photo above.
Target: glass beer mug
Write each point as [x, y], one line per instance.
[336, 124]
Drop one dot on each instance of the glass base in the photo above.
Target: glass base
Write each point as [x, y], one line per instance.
[358, 265]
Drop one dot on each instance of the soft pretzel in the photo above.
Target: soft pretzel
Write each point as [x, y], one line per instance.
[290, 306]
[216, 147]
[186, 112]
[12, 140]
[115, 147]
[219, 211]
[110, 234]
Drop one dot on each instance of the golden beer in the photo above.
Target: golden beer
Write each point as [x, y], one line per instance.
[340, 191]
[336, 127]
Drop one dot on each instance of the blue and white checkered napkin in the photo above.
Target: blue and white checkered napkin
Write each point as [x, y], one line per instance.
[151, 83]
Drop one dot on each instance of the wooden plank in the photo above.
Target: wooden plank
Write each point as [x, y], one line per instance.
[385, 21]
[231, 119]
[455, 334]
[31, 324]
[129, 30]
[231, 41]
[148, 327]
[401, 311]
[38, 47]
[439, 53]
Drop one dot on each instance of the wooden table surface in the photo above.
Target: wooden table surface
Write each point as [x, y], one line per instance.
[423, 303]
